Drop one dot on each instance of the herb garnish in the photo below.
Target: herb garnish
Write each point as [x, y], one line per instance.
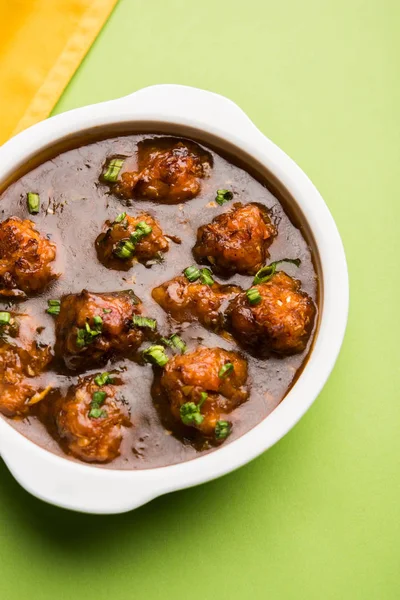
[222, 430]
[268, 271]
[98, 400]
[86, 336]
[155, 355]
[139, 321]
[103, 379]
[175, 341]
[253, 296]
[190, 411]
[5, 318]
[126, 248]
[193, 274]
[33, 202]
[119, 218]
[54, 307]
[225, 370]
[223, 196]
[112, 169]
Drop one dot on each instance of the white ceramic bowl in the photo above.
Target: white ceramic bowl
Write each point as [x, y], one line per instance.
[213, 119]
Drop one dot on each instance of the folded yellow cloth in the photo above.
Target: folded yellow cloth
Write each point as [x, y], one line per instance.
[42, 42]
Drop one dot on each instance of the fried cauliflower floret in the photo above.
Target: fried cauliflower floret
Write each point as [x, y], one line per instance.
[187, 302]
[236, 241]
[280, 322]
[91, 328]
[128, 239]
[21, 359]
[89, 421]
[203, 387]
[25, 258]
[168, 171]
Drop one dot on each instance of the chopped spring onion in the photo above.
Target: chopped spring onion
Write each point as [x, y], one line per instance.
[103, 379]
[97, 413]
[33, 201]
[253, 296]
[4, 318]
[225, 370]
[190, 414]
[124, 250]
[203, 398]
[178, 343]
[98, 399]
[223, 196]
[267, 272]
[175, 341]
[86, 336]
[206, 277]
[112, 170]
[107, 311]
[155, 355]
[139, 321]
[143, 228]
[54, 307]
[119, 218]
[192, 273]
[222, 430]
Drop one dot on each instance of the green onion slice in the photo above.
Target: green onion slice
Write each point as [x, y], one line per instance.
[253, 296]
[155, 355]
[223, 196]
[203, 398]
[86, 336]
[206, 277]
[112, 169]
[33, 201]
[4, 318]
[103, 379]
[139, 321]
[143, 228]
[222, 430]
[175, 342]
[97, 413]
[119, 218]
[178, 343]
[190, 414]
[266, 273]
[98, 400]
[54, 307]
[192, 273]
[190, 411]
[124, 250]
[225, 370]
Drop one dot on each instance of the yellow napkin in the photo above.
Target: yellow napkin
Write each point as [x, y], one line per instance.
[42, 43]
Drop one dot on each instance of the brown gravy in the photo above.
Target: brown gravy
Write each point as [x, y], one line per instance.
[74, 206]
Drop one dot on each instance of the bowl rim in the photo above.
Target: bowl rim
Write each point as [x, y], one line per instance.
[93, 489]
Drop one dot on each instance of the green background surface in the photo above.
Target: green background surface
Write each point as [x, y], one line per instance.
[317, 516]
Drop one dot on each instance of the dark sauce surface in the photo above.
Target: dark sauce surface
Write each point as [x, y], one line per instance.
[74, 206]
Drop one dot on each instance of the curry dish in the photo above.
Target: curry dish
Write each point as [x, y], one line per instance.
[156, 302]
